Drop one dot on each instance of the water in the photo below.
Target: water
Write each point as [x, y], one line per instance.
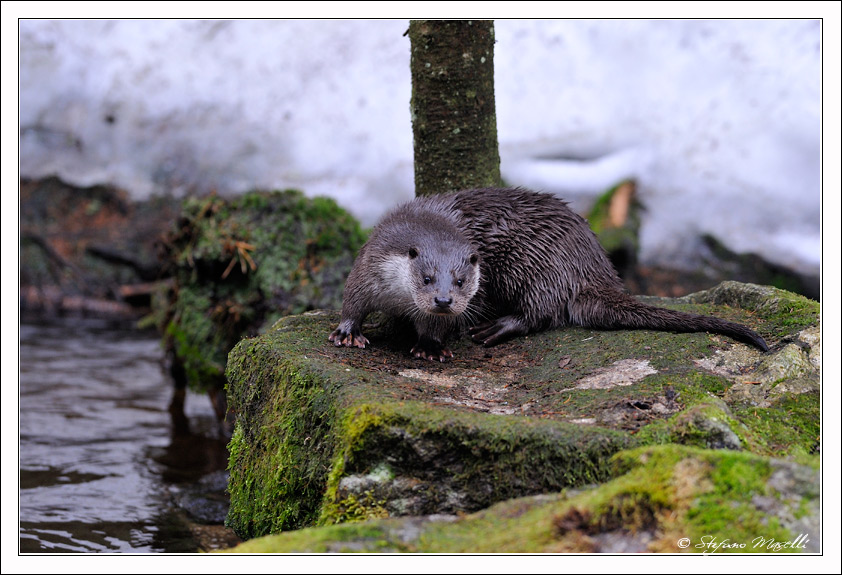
[102, 468]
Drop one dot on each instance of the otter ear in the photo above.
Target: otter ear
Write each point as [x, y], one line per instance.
[413, 253]
[474, 259]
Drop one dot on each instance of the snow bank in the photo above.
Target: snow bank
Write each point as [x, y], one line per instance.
[717, 120]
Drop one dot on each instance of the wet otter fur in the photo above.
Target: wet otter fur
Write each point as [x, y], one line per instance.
[502, 262]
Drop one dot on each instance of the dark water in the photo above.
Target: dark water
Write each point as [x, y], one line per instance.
[102, 468]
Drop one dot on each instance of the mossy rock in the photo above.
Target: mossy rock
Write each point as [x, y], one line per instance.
[327, 435]
[661, 499]
[240, 264]
[322, 440]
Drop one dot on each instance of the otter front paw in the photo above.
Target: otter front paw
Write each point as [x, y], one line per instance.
[348, 336]
[431, 350]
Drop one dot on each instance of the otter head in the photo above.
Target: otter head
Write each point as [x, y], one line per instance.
[445, 276]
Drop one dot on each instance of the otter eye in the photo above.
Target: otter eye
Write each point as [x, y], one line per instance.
[459, 282]
[427, 280]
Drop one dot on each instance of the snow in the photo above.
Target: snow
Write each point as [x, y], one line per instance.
[718, 121]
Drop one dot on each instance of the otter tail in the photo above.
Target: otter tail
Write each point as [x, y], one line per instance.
[621, 311]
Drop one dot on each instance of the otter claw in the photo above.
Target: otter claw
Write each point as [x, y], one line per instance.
[441, 354]
[342, 338]
[487, 334]
[493, 332]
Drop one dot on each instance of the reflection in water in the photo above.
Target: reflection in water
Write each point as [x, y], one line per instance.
[101, 469]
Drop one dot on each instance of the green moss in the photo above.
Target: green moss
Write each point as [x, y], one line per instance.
[781, 312]
[240, 264]
[659, 496]
[349, 538]
[280, 450]
[684, 491]
[198, 367]
[705, 425]
[790, 426]
[517, 526]
[353, 508]
[469, 456]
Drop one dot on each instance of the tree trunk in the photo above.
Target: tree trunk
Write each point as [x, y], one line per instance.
[454, 123]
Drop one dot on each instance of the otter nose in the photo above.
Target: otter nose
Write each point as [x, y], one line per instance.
[443, 302]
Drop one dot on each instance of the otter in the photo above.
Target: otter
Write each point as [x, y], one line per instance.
[502, 262]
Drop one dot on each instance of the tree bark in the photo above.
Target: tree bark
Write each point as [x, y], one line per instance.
[454, 123]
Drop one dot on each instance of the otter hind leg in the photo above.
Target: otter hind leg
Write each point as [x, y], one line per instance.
[499, 330]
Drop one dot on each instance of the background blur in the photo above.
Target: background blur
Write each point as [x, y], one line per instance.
[718, 121]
